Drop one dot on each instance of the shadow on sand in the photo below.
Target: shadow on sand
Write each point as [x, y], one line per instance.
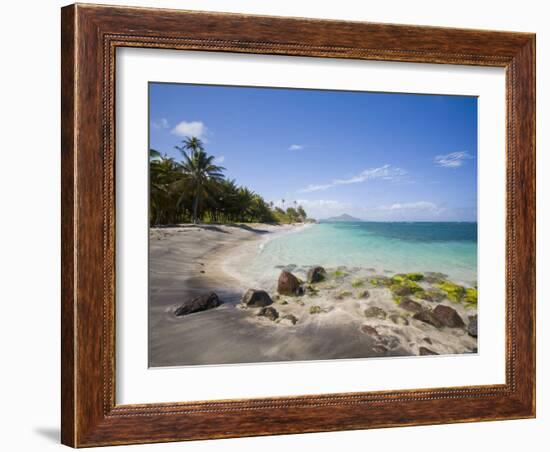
[216, 227]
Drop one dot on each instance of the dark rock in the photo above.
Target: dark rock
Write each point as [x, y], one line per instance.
[431, 295]
[410, 305]
[472, 325]
[427, 340]
[401, 290]
[399, 319]
[375, 312]
[256, 298]
[371, 331]
[201, 303]
[423, 351]
[448, 316]
[316, 274]
[428, 317]
[363, 294]
[402, 286]
[288, 284]
[269, 312]
[289, 318]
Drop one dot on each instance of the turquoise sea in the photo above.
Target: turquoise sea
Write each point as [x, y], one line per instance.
[391, 247]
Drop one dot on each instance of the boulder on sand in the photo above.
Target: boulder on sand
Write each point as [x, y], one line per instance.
[289, 319]
[448, 316]
[256, 298]
[201, 303]
[316, 274]
[410, 305]
[428, 317]
[269, 312]
[288, 284]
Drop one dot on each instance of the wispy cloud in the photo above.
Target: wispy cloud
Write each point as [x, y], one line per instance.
[419, 205]
[296, 147]
[190, 129]
[315, 187]
[219, 159]
[161, 123]
[452, 160]
[386, 172]
[405, 211]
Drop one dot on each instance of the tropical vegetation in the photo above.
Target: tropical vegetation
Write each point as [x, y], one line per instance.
[196, 190]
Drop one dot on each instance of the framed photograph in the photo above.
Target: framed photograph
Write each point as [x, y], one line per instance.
[283, 225]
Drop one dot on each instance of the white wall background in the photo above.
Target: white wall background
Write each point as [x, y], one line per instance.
[29, 235]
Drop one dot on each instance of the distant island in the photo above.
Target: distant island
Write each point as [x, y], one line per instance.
[343, 217]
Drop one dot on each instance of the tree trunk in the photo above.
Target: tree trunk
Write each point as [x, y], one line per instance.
[196, 209]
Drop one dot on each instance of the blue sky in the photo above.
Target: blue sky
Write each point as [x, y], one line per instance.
[376, 156]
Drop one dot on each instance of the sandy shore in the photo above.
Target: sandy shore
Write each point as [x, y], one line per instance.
[189, 261]
[185, 262]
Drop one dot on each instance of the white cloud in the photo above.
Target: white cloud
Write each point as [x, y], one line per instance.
[386, 172]
[420, 205]
[407, 211]
[219, 159]
[161, 123]
[327, 203]
[313, 187]
[400, 211]
[190, 129]
[452, 160]
[296, 147]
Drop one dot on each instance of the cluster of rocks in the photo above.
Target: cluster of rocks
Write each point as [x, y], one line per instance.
[418, 298]
[439, 317]
[287, 285]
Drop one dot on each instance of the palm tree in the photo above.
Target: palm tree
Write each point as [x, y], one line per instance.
[199, 171]
[195, 188]
[154, 154]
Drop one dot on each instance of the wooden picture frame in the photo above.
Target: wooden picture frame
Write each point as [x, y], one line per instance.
[90, 36]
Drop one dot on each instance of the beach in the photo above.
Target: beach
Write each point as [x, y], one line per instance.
[353, 312]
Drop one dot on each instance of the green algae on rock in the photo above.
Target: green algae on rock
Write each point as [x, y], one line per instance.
[454, 291]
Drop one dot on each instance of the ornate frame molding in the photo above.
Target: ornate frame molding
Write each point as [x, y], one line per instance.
[90, 37]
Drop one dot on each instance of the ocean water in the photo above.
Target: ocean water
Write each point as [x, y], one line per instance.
[395, 247]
